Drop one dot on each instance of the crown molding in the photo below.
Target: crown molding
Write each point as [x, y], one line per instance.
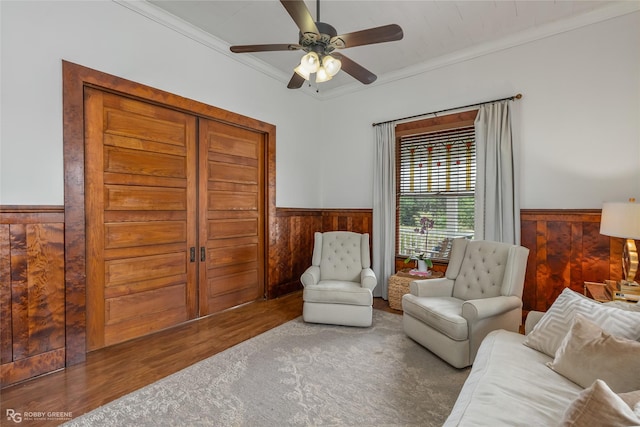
[168, 20]
[544, 31]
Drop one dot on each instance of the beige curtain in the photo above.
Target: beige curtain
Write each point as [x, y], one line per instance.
[497, 211]
[384, 207]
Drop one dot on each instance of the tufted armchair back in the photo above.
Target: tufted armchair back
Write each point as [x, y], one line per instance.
[481, 292]
[341, 255]
[485, 269]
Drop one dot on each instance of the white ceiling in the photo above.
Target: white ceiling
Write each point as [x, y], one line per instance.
[435, 32]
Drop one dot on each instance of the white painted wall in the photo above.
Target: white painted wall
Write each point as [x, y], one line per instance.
[103, 35]
[580, 114]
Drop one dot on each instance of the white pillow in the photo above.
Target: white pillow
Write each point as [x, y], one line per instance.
[599, 406]
[549, 332]
[588, 353]
[632, 399]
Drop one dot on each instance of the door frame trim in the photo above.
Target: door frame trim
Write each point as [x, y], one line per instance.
[74, 79]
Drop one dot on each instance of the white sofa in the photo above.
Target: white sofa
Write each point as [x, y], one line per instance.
[510, 383]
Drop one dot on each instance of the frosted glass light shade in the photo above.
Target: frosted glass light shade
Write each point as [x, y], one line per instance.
[322, 75]
[331, 65]
[310, 62]
[301, 72]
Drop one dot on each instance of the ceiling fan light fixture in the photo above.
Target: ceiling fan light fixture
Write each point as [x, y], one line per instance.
[302, 72]
[318, 39]
[331, 65]
[310, 62]
[322, 75]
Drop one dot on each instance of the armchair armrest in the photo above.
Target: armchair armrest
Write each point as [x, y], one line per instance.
[476, 309]
[432, 287]
[532, 319]
[368, 279]
[311, 276]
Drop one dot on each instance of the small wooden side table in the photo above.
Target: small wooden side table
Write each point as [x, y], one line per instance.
[399, 285]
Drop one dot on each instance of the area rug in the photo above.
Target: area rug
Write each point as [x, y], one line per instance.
[300, 374]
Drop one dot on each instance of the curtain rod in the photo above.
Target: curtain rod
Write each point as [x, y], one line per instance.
[510, 98]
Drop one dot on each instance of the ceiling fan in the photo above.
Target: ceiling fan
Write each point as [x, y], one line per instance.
[320, 40]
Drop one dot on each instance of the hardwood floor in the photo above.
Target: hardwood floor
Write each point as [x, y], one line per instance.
[112, 372]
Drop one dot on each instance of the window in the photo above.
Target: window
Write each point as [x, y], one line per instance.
[436, 175]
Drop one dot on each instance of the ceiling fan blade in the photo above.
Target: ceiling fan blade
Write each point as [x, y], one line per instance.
[296, 81]
[355, 70]
[301, 16]
[386, 33]
[263, 47]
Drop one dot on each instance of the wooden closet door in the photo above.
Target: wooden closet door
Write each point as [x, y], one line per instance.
[232, 226]
[141, 218]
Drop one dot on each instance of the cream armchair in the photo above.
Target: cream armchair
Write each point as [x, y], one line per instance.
[338, 286]
[481, 291]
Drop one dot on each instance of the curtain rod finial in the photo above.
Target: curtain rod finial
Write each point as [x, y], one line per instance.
[518, 96]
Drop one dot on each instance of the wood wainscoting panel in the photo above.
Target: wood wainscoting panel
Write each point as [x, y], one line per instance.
[356, 220]
[32, 295]
[6, 335]
[291, 241]
[290, 248]
[566, 249]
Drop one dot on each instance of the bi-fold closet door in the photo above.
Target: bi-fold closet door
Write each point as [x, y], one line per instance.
[174, 217]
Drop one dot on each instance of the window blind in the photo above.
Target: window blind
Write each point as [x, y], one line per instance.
[437, 175]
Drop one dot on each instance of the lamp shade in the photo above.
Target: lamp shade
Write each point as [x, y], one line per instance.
[621, 219]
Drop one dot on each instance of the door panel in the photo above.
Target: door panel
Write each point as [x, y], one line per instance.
[228, 228]
[144, 198]
[119, 160]
[141, 216]
[231, 222]
[151, 303]
[140, 268]
[136, 233]
[226, 201]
